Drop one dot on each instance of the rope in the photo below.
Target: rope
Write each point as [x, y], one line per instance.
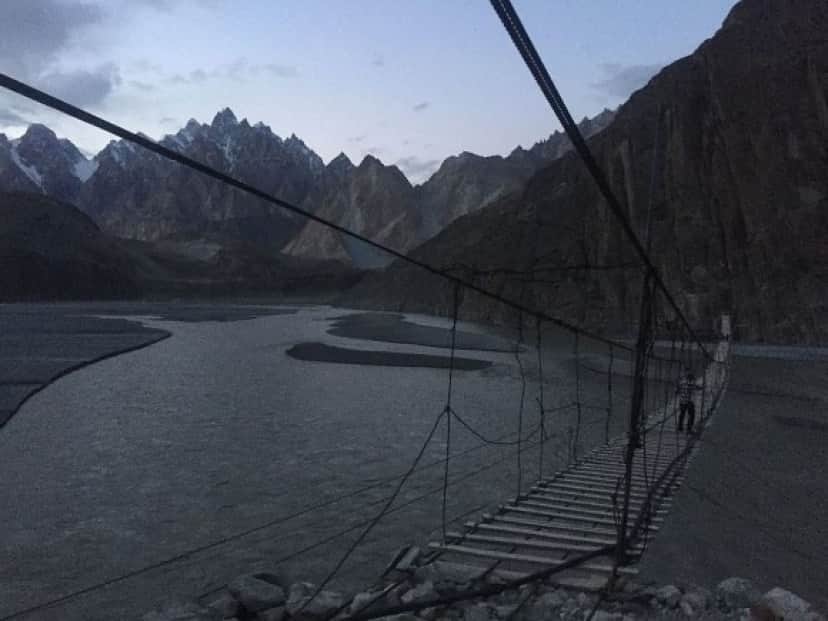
[525, 47]
[541, 410]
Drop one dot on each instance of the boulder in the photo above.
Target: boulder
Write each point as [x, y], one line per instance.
[696, 600]
[786, 605]
[420, 593]
[224, 606]
[669, 595]
[179, 612]
[736, 593]
[256, 594]
[477, 612]
[271, 614]
[323, 605]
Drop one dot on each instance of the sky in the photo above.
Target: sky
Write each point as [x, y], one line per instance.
[408, 81]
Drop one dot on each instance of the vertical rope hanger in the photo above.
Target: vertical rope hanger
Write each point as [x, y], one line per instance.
[448, 409]
[542, 412]
[518, 345]
[609, 394]
[577, 437]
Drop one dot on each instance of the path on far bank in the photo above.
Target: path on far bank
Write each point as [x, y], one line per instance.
[755, 499]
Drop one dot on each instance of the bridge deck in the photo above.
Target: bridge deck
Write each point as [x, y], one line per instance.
[578, 510]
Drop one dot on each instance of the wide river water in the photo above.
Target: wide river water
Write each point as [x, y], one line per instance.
[214, 431]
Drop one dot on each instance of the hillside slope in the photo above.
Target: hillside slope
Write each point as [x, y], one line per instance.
[735, 140]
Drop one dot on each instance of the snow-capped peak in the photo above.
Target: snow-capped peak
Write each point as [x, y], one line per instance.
[30, 171]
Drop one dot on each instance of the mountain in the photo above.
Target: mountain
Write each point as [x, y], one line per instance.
[139, 195]
[51, 250]
[39, 161]
[372, 199]
[136, 194]
[378, 202]
[726, 149]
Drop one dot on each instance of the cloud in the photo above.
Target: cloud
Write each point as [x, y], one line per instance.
[239, 70]
[10, 117]
[281, 71]
[141, 86]
[81, 87]
[359, 138]
[378, 61]
[168, 120]
[34, 32]
[421, 106]
[622, 80]
[416, 169]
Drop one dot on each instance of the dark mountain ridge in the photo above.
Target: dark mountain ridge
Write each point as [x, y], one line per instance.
[138, 195]
[729, 149]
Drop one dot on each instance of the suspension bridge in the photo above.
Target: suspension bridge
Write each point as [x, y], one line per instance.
[586, 525]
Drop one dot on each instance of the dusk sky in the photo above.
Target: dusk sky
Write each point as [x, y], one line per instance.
[410, 82]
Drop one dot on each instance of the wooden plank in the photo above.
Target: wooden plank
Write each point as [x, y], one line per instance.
[604, 512]
[595, 504]
[601, 518]
[562, 493]
[588, 469]
[598, 489]
[559, 527]
[590, 488]
[556, 516]
[526, 558]
[525, 543]
[583, 477]
[543, 534]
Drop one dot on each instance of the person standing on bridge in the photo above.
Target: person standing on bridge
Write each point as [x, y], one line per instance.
[686, 387]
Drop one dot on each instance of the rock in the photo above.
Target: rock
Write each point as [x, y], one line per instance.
[504, 611]
[456, 572]
[224, 606]
[545, 606]
[362, 602]
[669, 595]
[687, 609]
[604, 615]
[735, 593]
[404, 560]
[271, 614]
[420, 593]
[478, 612]
[178, 612]
[256, 594]
[695, 601]
[322, 605]
[786, 605]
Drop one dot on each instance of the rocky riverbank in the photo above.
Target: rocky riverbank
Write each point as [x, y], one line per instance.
[435, 590]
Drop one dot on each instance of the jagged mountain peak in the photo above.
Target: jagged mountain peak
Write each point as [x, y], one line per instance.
[224, 119]
[341, 163]
[38, 132]
[369, 161]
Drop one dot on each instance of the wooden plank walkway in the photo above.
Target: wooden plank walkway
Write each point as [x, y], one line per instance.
[578, 510]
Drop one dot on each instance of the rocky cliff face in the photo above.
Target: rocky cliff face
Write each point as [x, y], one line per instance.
[378, 201]
[372, 199]
[726, 149]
